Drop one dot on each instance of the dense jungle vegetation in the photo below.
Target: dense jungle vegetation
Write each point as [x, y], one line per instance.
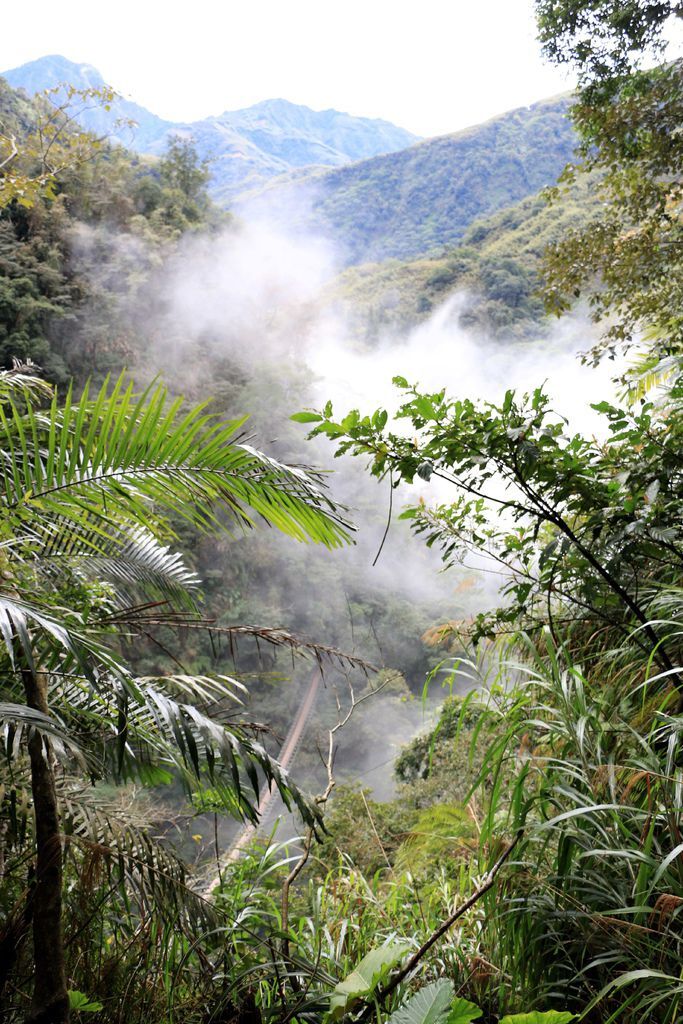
[530, 868]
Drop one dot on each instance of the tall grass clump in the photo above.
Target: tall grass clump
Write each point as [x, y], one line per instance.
[589, 914]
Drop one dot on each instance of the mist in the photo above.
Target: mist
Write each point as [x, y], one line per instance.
[245, 315]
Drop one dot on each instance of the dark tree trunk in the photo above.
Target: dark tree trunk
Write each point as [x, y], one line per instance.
[50, 1004]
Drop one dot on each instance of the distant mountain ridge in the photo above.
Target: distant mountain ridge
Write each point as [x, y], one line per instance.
[50, 72]
[373, 190]
[246, 147]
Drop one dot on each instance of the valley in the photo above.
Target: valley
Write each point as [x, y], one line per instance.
[340, 475]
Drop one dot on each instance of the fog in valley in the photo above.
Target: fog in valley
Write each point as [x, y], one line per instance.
[249, 316]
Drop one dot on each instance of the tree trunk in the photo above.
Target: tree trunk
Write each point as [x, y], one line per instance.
[50, 1004]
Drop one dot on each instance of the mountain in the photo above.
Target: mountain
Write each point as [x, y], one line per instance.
[422, 199]
[51, 72]
[369, 187]
[246, 148]
[302, 136]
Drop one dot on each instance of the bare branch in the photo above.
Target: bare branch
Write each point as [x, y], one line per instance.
[11, 139]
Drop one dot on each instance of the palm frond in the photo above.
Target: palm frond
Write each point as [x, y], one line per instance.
[198, 688]
[121, 454]
[148, 616]
[153, 730]
[225, 751]
[23, 381]
[37, 639]
[18, 723]
[141, 864]
[133, 562]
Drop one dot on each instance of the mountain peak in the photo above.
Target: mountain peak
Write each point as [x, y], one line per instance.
[246, 147]
[48, 72]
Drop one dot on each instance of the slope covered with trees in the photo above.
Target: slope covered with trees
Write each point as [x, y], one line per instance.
[424, 198]
[495, 270]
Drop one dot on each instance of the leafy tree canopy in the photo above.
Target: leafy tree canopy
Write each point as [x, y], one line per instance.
[603, 37]
[627, 260]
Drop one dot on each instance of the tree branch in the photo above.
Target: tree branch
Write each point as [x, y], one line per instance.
[413, 961]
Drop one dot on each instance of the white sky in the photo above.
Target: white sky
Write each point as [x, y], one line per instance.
[431, 66]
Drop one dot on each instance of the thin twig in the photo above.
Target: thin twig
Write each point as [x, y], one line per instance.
[388, 526]
[14, 152]
[321, 801]
[374, 829]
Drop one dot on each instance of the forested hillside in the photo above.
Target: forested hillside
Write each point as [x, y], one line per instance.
[495, 271]
[423, 199]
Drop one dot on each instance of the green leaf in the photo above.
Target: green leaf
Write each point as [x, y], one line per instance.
[676, 852]
[463, 1011]
[425, 407]
[366, 976]
[79, 1001]
[434, 1004]
[306, 417]
[539, 1017]
[428, 1006]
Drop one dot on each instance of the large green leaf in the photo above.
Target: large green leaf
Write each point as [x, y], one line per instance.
[133, 458]
[365, 978]
[463, 1011]
[428, 1006]
[434, 1004]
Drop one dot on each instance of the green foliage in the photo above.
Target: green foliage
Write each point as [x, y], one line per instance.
[79, 1001]
[365, 977]
[181, 170]
[633, 245]
[435, 1004]
[365, 831]
[443, 835]
[603, 38]
[463, 1011]
[438, 765]
[87, 493]
[574, 738]
[71, 319]
[584, 531]
[33, 292]
[30, 166]
[593, 893]
[537, 1017]
[583, 716]
[627, 258]
[495, 269]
